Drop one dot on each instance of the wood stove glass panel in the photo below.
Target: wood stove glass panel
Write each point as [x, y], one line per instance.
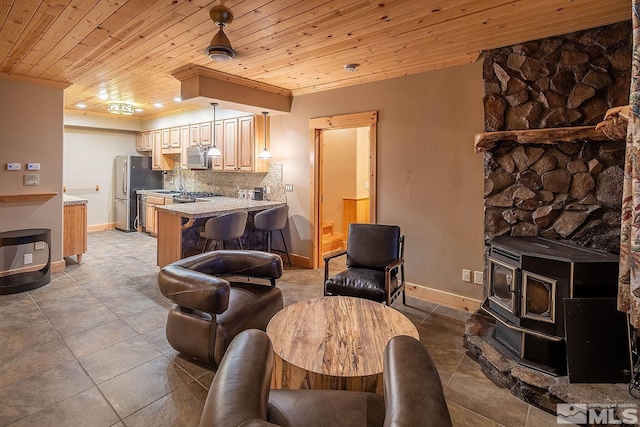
[501, 285]
[538, 297]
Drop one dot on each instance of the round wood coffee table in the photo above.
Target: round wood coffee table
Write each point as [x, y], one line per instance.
[333, 343]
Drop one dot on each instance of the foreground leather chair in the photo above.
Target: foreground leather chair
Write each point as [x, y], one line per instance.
[374, 253]
[210, 311]
[240, 395]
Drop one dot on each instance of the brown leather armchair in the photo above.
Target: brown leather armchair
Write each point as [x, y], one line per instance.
[210, 311]
[374, 253]
[240, 394]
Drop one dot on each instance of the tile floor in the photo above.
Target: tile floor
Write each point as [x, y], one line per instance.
[89, 349]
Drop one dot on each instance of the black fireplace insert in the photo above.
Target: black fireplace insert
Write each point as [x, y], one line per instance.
[530, 280]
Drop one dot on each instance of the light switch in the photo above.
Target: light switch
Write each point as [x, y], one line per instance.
[13, 166]
[33, 166]
[31, 179]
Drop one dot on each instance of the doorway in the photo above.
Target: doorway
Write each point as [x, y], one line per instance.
[343, 177]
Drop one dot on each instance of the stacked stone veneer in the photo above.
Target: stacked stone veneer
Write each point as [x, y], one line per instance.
[566, 191]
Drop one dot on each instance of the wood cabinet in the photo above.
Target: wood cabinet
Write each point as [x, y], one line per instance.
[171, 140]
[159, 160]
[239, 144]
[240, 141]
[143, 141]
[151, 214]
[216, 162]
[75, 230]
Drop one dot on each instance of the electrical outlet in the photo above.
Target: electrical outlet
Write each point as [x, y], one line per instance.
[466, 275]
[38, 246]
[288, 187]
[28, 259]
[477, 277]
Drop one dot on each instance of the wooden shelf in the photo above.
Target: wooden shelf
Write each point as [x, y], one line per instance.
[34, 197]
[487, 140]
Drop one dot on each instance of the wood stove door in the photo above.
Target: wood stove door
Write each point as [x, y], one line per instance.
[538, 297]
[503, 285]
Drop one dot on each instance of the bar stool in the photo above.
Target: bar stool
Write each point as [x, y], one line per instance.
[274, 219]
[225, 227]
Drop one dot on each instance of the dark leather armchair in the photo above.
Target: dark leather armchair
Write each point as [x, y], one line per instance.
[210, 311]
[240, 394]
[375, 254]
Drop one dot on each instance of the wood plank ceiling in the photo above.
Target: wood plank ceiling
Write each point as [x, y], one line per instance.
[127, 49]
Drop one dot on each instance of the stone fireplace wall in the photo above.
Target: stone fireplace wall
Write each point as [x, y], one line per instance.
[566, 191]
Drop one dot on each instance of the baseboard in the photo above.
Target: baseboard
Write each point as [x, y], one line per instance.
[101, 227]
[57, 266]
[300, 261]
[446, 299]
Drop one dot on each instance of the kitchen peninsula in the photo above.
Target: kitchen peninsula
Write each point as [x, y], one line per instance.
[179, 225]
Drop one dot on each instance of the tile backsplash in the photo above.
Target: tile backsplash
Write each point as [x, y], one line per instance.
[227, 183]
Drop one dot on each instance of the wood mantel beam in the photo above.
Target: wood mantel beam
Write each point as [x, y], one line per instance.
[487, 140]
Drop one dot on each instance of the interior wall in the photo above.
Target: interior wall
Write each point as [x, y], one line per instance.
[339, 168]
[32, 132]
[362, 159]
[88, 161]
[430, 181]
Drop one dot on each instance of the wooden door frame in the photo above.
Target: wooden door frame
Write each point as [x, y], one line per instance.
[316, 127]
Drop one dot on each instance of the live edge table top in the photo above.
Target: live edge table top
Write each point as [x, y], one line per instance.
[334, 343]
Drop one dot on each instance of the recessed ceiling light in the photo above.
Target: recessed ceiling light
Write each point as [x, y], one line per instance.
[158, 105]
[139, 110]
[81, 105]
[103, 96]
[177, 99]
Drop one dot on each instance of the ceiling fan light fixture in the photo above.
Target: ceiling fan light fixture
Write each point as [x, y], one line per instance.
[220, 47]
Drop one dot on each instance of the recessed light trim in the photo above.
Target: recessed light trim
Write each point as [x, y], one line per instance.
[158, 105]
[81, 105]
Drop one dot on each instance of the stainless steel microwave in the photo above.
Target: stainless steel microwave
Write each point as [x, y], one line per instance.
[197, 158]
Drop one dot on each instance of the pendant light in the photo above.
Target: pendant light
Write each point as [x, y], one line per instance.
[265, 154]
[213, 151]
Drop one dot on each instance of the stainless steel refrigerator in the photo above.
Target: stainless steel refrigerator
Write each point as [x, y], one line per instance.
[132, 173]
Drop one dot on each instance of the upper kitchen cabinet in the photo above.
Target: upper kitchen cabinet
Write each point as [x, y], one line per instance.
[143, 141]
[239, 144]
[172, 144]
[159, 160]
[216, 161]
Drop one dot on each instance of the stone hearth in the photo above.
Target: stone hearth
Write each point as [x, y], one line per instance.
[534, 387]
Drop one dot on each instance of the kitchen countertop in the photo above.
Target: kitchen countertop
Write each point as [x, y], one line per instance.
[73, 200]
[216, 206]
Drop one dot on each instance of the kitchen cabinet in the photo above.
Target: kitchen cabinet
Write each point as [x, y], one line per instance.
[239, 144]
[166, 139]
[205, 133]
[172, 144]
[151, 214]
[159, 160]
[75, 230]
[216, 162]
[143, 141]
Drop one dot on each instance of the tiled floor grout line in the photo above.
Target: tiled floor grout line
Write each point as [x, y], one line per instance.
[95, 385]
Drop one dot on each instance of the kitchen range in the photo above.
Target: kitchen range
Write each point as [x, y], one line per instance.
[193, 196]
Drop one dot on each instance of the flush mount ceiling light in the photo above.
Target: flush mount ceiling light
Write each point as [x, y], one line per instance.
[121, 108]
[214, 151]
[350, 68]
[220, 48]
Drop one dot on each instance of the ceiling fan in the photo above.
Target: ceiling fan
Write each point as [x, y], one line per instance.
[220, 48]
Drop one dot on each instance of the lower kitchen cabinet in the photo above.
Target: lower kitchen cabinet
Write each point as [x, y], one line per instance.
[75, 230]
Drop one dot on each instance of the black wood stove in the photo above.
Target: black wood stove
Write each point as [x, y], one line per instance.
[544, 295]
